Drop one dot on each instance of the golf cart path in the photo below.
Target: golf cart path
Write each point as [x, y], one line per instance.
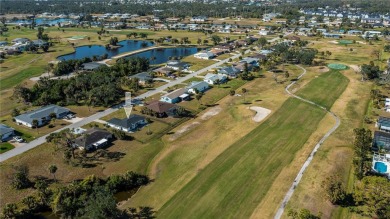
[298, 178]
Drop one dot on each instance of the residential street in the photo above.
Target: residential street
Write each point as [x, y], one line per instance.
[41, 140]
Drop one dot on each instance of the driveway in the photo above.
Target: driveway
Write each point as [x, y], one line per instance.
[73, 120]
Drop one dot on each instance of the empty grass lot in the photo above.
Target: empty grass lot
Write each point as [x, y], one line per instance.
[234, 183]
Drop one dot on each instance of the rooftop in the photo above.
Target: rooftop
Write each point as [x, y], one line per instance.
[41, 113]
[126, 122]
[160, 107]
[91, 136]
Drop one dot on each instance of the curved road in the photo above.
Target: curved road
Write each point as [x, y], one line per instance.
[41, 140]
[298, 178]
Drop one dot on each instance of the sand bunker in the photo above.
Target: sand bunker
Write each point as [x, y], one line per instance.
[211, 112]
[185, 128]
[261, 113]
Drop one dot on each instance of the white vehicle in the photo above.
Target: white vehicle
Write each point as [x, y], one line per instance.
[69, 116]
[18, 139]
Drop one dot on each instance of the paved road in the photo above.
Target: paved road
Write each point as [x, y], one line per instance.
[298, 178]
[41, 140]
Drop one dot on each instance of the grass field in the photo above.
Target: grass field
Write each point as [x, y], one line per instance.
[335, 155]
[245, 171]
[248, 168]
[5, 146]
[332, 84]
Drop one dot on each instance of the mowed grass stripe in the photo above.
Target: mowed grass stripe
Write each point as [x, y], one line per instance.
[237, 180]
[325, 89]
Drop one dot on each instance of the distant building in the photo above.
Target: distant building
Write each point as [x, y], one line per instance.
[91, 66]
[163, 71]
[204, 55]
[21, 40]
[127, 124]
[176, 65]
[143, 77]
[6, 132]
[42, 115]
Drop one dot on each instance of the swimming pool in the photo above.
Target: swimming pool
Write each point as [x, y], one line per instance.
[380, 167]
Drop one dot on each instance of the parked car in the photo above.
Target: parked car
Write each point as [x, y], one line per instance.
[69, 116]
[18, 139]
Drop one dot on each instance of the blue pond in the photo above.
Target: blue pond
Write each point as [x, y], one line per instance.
[40, 21]
[159, 56]
[98, 50]
[380, 167]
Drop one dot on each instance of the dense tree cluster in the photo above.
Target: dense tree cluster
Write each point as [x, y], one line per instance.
[362, 149]
[374, 192]
[302, 214]
[69, 66]
[91, 197]
[371, 192]
[100, 88]
[370, 71]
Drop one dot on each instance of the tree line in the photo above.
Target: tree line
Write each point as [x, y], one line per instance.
[371, 193]
[102, 87]
[91, 197]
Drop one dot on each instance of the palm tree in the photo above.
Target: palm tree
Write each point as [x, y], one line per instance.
[35, 124]
[53, 169]
[198, 97]
[53, 117]
[243, 93]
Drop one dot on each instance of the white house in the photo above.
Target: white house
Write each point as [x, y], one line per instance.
[214, 78]
[42, 115]
[6, 132]
[200, 86]
[204, 55]
[264, 32]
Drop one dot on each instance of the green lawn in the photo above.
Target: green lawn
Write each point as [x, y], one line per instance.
[22, 75]
[5, 146]
[325, 89]
[234, 183]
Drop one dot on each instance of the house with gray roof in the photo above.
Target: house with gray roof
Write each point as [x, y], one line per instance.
[6, 132]
[91, 66]
[21, 40]
[200, 86]
[230, 72]
[127, 124]
[42, 115]
[143, 77]
[92, 139]
[174, 96]
[215, 78]
[176, 65]
[383, 124]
